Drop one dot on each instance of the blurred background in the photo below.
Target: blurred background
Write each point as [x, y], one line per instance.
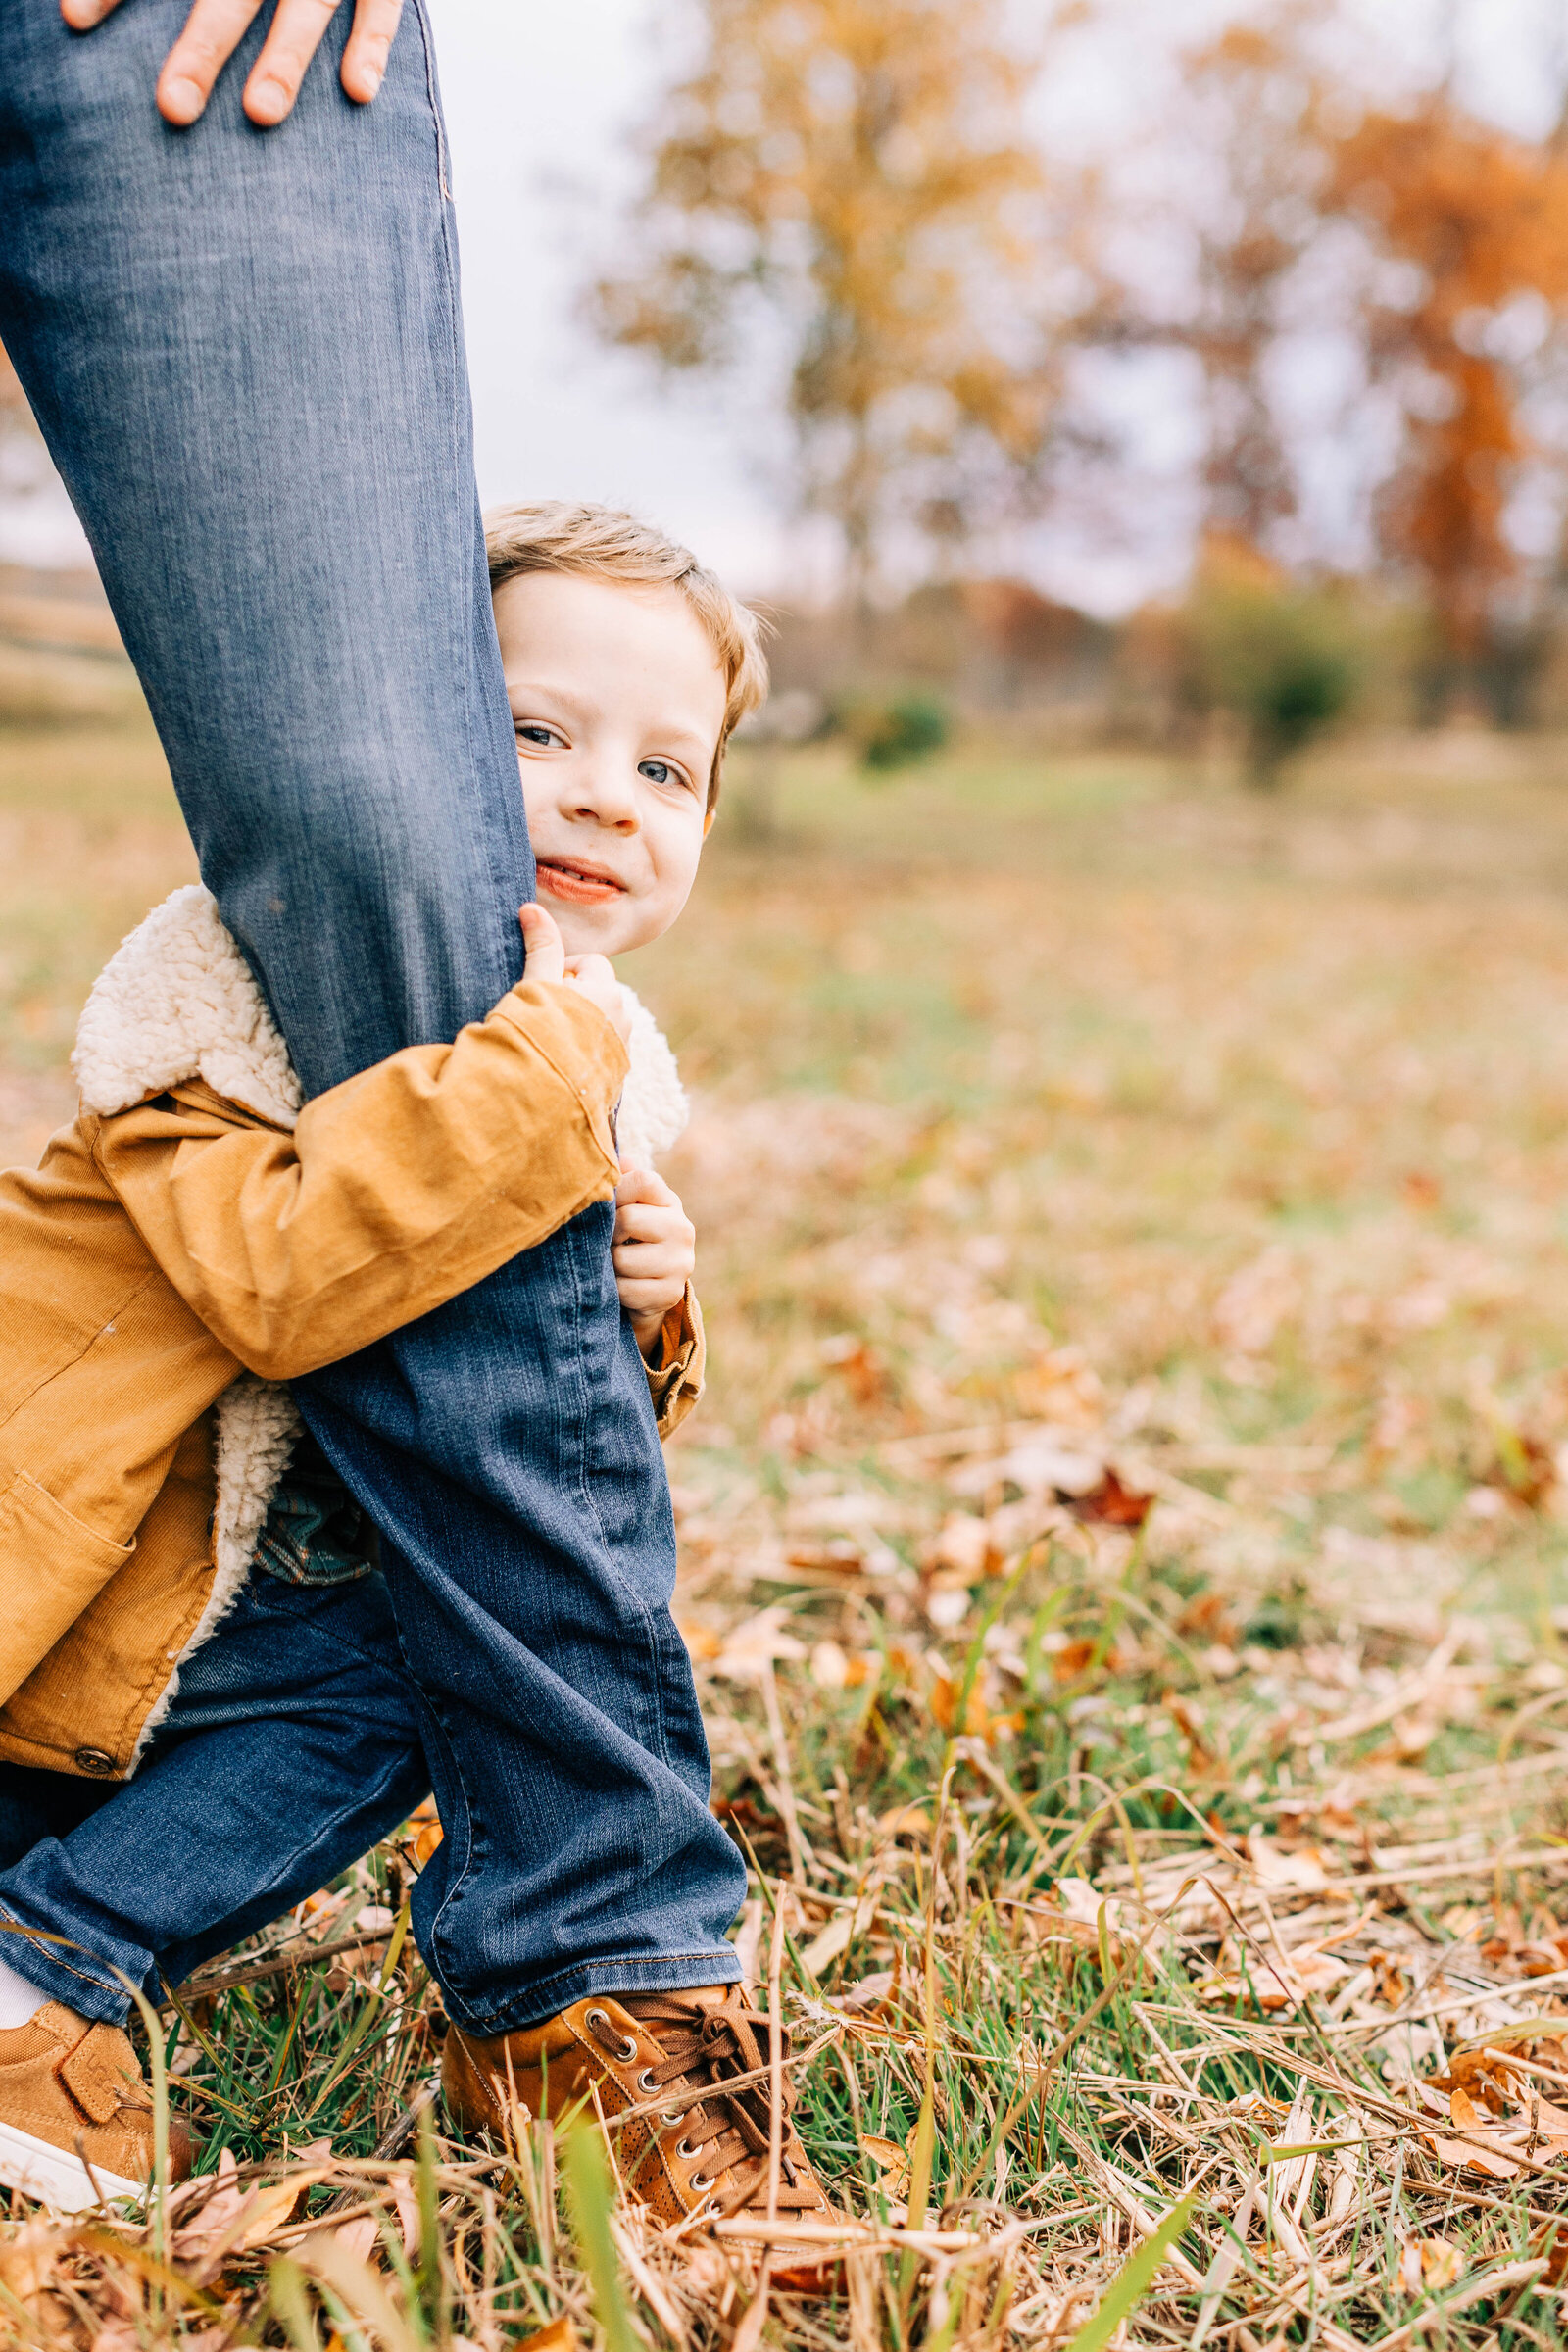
[1133, 951]
[1110, 371]
[1124, 1001]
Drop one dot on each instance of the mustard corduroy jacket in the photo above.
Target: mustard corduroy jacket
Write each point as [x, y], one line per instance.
[179, 1251]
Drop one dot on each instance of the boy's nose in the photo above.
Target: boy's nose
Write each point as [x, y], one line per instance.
[607, 800]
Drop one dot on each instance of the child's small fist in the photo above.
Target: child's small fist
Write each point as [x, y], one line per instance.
[654, 1252]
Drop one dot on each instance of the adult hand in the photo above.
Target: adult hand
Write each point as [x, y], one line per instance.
[213, 30]
[595, 975]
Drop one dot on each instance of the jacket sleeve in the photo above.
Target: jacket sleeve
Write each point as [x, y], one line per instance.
[675, 1375]
[397, 1189]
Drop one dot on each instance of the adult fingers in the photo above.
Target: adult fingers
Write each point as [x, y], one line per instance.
[82, 15]
[211, 34]
[295, 35]
[364, 59]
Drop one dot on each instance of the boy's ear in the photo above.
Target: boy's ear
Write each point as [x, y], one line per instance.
[708, 820]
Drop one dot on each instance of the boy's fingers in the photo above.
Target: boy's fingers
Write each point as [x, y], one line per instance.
[650, 1298]
[642, 1185]
[641, 1245]
[647, 1221]
[544, 955]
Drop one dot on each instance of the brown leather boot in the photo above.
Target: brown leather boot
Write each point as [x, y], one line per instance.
[702, 2148]
[76, 2115]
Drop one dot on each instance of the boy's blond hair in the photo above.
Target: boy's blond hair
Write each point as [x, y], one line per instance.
[602, 543]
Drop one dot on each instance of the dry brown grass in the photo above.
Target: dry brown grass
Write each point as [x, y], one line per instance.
[1067, 1135]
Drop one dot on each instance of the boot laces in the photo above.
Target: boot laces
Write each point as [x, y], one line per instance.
[702, 2050]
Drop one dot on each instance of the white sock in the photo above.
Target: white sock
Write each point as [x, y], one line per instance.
[19, 2000]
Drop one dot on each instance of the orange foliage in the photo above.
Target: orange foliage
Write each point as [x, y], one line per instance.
[861, 168]
[1482, 217]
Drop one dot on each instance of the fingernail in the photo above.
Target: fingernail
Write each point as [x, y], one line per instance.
[371, 82]
[266, 102]
[183, 100]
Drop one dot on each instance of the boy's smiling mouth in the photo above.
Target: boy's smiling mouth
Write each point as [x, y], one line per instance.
[574, 878]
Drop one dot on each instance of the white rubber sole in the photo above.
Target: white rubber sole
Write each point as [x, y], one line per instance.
[56, 2176]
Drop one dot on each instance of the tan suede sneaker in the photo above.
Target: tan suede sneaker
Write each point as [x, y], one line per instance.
[702, 2148]
[76, 2115]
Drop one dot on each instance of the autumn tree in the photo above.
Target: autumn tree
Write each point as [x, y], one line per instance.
[1249, 120]
[853, 180]
[1477, 222]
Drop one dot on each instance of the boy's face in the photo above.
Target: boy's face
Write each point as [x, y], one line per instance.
[618, 701]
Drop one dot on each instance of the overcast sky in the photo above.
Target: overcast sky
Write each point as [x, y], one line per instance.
[540, 101]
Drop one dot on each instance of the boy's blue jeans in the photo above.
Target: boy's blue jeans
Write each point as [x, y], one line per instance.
[245, 351]
[294, 1745]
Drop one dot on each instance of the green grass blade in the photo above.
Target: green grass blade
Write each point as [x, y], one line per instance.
[1131, 2282]
[582, 2160]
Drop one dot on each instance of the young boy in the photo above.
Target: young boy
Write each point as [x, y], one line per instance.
[195, 1222]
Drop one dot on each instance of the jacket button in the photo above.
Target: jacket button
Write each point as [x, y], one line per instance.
[93, 1759]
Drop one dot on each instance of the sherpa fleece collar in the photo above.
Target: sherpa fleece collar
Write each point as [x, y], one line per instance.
[176, 1000]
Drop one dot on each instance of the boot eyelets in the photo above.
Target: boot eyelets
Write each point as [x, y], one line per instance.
[645, 2082]
[696, 2184]
[674, 2115]
[601, 2017]
[686, 2152]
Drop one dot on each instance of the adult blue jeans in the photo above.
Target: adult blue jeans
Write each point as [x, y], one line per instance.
[245, 351]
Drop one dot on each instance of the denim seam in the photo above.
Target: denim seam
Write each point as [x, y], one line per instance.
[587, 1976]
[54, 1954]
[456, 1881]
[590, 1502]
[463, 660]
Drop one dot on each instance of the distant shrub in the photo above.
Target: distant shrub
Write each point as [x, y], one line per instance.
[893, 730]
[1281, 659]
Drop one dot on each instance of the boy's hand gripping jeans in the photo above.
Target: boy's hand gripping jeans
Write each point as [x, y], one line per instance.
[245, 351]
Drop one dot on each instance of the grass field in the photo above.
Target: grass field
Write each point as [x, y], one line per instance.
[1122, 1550]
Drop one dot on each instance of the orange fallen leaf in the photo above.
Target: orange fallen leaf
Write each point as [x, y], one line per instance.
[558, 2337]
[1109, 1504]
[27, 2260]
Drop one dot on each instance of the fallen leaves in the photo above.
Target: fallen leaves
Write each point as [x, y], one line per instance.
[1109, 1504]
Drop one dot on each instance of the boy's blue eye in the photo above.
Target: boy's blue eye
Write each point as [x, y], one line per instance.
[544, 735]
[659, 771]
